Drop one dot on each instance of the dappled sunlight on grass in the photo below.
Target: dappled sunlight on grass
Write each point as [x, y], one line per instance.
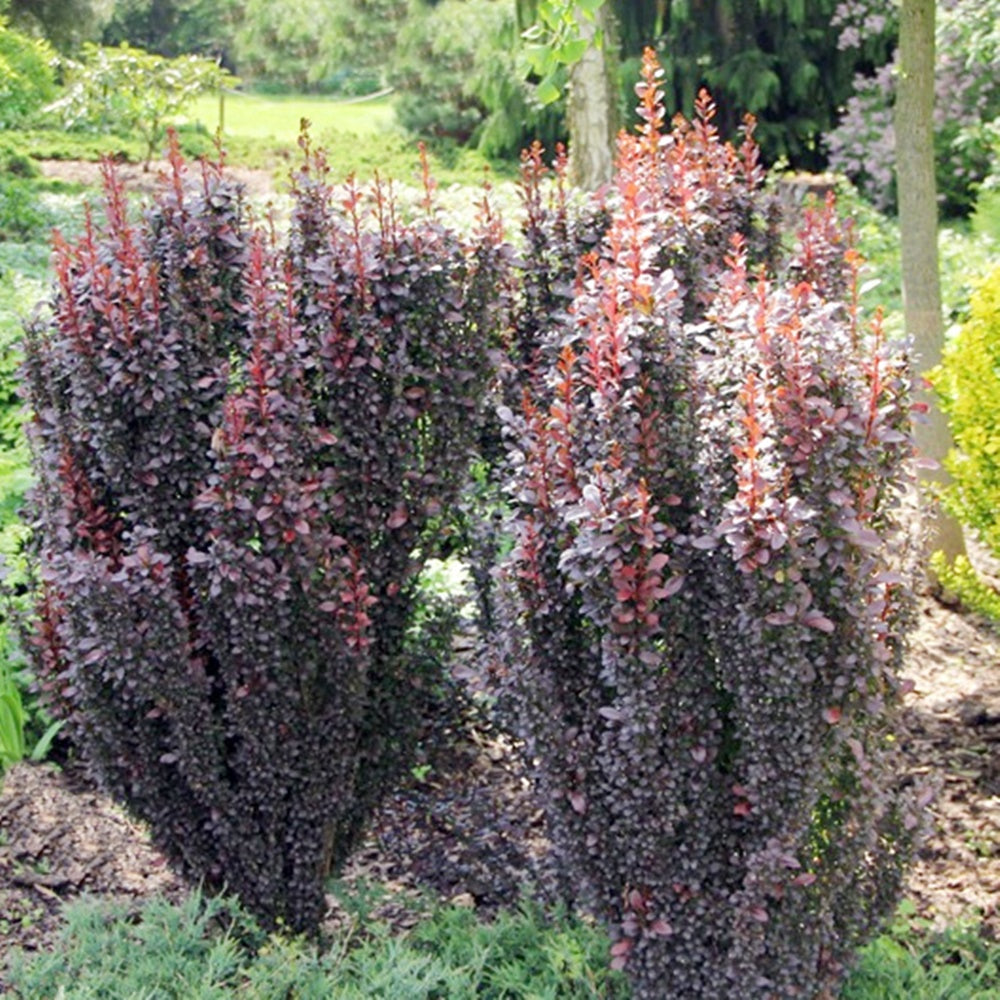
[262, 116]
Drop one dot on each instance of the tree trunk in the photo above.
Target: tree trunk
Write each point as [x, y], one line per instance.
[592, 111]
[918, 236]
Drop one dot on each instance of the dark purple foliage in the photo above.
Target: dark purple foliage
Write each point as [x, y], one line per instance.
[241, 442]
[702, 631]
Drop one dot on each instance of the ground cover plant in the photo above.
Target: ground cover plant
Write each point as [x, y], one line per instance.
[704, 631]
[912, 959]
[241, 443]
[210, 947]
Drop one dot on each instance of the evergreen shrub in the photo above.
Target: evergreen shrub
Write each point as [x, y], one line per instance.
[242, 440]
[968, 384]
[455, 68]
[702, 626]
[22, 216]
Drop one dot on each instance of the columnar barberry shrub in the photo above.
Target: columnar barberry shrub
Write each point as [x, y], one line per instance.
[703, 631]
[240, 439]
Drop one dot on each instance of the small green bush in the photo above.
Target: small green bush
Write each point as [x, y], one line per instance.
[22, 216]
[126, 90]
[968, 385]
[11, 720]
[986, 217]
[15, 163]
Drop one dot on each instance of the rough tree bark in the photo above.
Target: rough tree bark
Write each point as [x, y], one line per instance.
[918, 236]
[592, 112]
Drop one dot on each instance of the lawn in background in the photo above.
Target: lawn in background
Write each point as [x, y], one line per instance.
[265, 116]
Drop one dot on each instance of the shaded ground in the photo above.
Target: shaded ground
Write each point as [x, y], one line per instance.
[953, 721]
[469, 831]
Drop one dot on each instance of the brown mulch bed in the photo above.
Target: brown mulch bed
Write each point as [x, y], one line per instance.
[952, 739]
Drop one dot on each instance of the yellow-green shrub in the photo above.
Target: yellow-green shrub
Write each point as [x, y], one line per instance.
[968, 385]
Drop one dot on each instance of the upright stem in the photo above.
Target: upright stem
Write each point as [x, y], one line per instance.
[593, 106]
[918, 222]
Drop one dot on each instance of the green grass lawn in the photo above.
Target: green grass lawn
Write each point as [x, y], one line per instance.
[259, 116]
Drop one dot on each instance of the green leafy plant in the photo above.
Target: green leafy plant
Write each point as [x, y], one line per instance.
[968, 385]
[26, 78]
[703, 631]
[14, 746]
[130, 91]
[961, 579]
[11, 720]
[554, 43]
[914, 961]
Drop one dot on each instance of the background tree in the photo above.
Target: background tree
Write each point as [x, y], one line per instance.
[319, 44]
[966, 103]
[173, 27]
[592, 112]
[65, 23]
[777, 59]
[573, 44]
[284, 42]
[918, 222]
[456, 72]
[26, 78]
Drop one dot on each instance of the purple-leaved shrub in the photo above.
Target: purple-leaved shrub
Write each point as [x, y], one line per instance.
[241, 439]
[702, 627]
